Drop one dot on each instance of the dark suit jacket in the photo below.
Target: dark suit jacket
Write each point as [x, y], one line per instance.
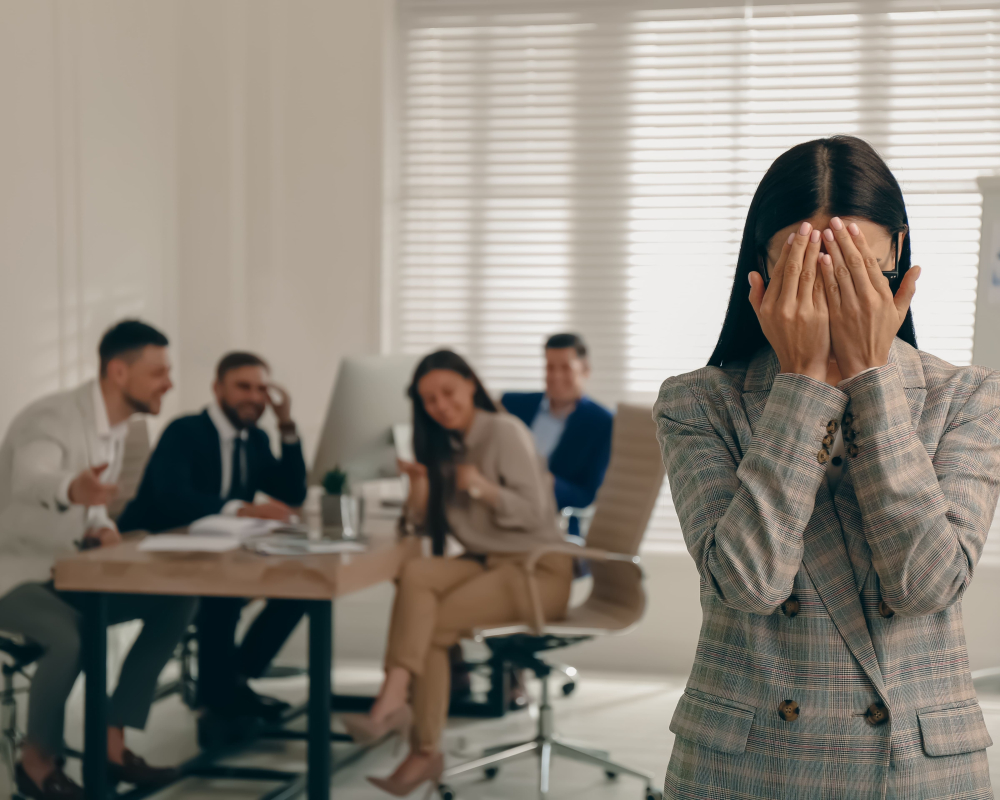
[581, 457]
[184, 476]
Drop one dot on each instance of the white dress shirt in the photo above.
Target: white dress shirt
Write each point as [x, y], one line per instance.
[227, 435]
[107, 446]
[547, 428]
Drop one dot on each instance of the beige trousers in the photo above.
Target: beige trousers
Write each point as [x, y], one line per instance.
[440, 599]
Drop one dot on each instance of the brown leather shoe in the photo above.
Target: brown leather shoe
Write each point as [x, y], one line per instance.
[136, 771]
[57, 786]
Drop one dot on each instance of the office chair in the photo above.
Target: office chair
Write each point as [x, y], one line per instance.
[616, 603]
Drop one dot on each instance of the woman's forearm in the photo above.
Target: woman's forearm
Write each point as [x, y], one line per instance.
[925, 521]
[743, 514]
[415, 506]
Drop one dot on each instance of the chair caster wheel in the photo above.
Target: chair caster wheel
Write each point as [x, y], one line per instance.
[654, 794]
[611, 776]
[446, 792]
[568, 688]
[491, 772]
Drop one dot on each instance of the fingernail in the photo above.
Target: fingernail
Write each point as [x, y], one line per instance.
[854, 229]
[749, 278]
[791, 238]
[814, 236]
[919, 273]
[804, 228]
[836, 224]
[828, 235]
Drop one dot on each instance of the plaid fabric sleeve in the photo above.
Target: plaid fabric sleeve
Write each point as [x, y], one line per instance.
[743, 517]
[925, 520]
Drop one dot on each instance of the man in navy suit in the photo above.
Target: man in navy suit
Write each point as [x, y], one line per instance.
[572, 432]
[215, 462]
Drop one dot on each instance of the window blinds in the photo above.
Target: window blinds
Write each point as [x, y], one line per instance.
[587, 165]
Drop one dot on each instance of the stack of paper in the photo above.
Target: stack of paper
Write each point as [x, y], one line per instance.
[237, 528]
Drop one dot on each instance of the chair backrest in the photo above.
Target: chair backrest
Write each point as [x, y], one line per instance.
[626, 499]
[137, 451]
[624, 505]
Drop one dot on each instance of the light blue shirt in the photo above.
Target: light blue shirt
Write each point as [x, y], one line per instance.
[547, 429]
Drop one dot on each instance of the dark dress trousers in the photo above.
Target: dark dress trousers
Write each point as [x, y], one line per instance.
[182, 483]
[580, 460]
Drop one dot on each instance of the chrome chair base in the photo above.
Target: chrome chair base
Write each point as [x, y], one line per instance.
[545, 745]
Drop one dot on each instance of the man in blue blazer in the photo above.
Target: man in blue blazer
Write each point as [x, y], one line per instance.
[215, 462]
[572, 432]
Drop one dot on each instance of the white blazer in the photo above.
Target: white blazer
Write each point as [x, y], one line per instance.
[46, 446]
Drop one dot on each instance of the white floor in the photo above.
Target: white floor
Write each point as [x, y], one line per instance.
[625, 715]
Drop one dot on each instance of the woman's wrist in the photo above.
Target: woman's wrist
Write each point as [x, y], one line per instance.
[484, 491]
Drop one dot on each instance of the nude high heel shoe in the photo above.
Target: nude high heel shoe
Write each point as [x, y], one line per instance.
[432, 772]
[364, 731]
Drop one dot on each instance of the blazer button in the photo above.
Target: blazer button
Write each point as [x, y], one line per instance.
[791, 606]
[828, 440]
[848, 434]
[831, 426]
[852, 451]
[789, 710]
[848, 418]
[885, 610]
[877, 714]
[823, 456]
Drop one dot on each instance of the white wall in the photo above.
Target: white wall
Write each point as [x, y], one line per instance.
[213, 166]
[280, 127]
[87, 184]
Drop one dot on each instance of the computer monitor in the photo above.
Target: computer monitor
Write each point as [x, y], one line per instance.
[369, 402]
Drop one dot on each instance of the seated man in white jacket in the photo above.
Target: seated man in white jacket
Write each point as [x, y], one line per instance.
[58, 465]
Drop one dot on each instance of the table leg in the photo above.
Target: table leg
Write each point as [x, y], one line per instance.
[95, 665]
[320, 665]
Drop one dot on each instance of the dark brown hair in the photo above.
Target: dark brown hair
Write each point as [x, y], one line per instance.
[237, 359]
[842, 176]
[436, 447]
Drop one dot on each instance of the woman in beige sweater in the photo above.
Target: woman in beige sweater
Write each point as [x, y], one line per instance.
[479, 478]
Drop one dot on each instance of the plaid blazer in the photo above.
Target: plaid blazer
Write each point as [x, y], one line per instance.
[831, 661]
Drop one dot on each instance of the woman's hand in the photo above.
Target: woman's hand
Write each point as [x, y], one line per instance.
[416, 499]
[864, 314]
[793, 311]
[469, 479]
[412, 469]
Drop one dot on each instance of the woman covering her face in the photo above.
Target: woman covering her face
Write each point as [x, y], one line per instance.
[835, 486]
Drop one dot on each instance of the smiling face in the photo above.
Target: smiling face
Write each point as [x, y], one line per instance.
[242, 394]
[448, 398]
[565, 375]
[142, 379]
[878, 238]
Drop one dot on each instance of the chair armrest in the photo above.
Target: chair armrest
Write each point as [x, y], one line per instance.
[592, 553]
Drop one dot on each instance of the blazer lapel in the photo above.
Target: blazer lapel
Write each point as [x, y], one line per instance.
[213, 456]
[826, 560]
[825, 556]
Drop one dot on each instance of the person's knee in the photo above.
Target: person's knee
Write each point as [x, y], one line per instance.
[417, 574]
[63, 645]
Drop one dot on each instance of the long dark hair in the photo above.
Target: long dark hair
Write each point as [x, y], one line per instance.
[841, 176]
[436, 447]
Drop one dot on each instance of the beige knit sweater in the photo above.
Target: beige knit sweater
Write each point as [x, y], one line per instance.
[502, 448]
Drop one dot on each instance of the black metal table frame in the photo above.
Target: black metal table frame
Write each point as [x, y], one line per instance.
[319, 767]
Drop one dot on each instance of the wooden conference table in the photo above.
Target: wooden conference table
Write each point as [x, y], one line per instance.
[319, 579]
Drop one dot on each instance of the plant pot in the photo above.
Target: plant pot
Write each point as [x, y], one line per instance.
[341, 515]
